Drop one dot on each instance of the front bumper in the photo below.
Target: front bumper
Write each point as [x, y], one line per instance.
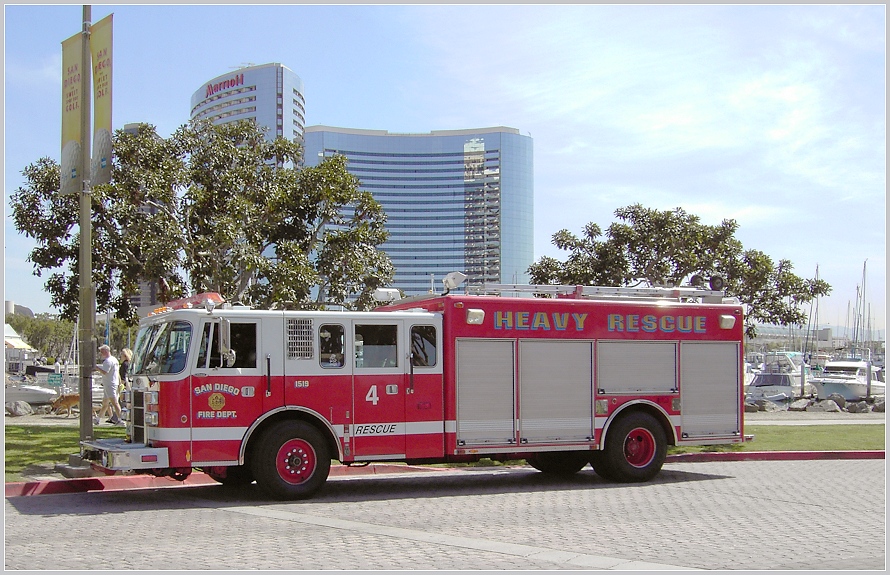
[118, 455]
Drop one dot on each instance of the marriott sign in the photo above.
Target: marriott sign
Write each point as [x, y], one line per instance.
[237, 80]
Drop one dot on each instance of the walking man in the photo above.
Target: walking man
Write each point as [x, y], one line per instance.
[110, 384]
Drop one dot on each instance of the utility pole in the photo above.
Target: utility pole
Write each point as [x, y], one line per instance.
[87, 313]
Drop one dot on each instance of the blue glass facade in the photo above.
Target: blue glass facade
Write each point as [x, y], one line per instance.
[456, 200]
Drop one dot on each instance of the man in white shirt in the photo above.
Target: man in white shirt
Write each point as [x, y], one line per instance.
[110, 384]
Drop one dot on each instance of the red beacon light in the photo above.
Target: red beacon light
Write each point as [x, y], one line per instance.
[208, 300]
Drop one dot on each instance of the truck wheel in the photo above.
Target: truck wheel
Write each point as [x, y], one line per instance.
[233, 476]
[291, 461]
[600, 465]
[634, 451]
[559, 462]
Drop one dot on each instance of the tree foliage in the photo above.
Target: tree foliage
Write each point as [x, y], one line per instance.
[52, 336]
[667, 248]
[44, 332]
[211, 208]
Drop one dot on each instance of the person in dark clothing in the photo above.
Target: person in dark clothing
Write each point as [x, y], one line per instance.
[124, 370]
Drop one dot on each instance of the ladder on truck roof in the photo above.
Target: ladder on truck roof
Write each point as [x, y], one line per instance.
[685, 293]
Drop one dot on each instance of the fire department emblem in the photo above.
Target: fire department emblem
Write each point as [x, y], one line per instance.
[216, 401]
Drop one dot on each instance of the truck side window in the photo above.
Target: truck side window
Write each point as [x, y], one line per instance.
[376, 346]
[423, 345]
[202, 349]
[244, 344]
[209, 348]
[330, 342]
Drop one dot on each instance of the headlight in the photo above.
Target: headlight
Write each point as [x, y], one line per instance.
[151, 398]
[126, 396]
[125, 414]
[151, 418]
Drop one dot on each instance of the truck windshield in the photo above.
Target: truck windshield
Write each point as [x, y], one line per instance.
[161, 348]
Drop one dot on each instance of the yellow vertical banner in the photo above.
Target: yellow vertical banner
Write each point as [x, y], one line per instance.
[100, 48]
[72, 100]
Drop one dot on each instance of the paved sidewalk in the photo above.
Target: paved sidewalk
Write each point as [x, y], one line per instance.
[750, 515]
[814, 418]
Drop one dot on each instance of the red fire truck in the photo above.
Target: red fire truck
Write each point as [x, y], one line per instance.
[606, 376]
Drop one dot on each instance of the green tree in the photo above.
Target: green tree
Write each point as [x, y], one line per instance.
[122, 335]
[212, 208]
[44, 332]
[669, 247]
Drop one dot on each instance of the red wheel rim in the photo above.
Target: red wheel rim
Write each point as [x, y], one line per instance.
[296, 461]
[639, 447]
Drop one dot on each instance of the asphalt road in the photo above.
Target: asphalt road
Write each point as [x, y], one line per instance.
[741, 515]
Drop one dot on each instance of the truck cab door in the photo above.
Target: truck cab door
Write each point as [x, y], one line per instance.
[227, 390]
[379, 385]
[424, 409]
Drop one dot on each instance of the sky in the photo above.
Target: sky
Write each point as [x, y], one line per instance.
[771, 115]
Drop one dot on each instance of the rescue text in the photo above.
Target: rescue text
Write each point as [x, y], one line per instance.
[652, 324]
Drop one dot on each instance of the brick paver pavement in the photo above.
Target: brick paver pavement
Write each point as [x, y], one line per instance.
[717, 515]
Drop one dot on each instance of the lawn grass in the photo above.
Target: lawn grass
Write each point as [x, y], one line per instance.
[815, 437]
[28, 446]
[801, 438]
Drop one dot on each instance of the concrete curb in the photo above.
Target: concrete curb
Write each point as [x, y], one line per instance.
[772, 456]
[125, 482]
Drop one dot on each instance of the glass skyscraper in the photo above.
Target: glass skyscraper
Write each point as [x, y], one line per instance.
[455, 200]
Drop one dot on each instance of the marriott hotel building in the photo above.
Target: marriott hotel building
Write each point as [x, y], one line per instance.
[270, 95]
[455, 200]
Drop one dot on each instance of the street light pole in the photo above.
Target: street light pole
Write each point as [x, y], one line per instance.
[87, 312]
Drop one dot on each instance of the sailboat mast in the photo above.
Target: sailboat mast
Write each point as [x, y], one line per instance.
[864, 315]
[817, 305]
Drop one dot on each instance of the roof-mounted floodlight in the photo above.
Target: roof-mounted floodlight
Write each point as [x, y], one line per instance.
[209, 305]
[387, 294]
[453, 280]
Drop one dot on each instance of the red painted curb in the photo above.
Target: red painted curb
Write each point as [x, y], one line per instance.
[106, 483]
[124, 482]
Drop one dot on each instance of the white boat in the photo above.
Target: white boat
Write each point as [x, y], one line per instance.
[751, 372]
[777, 387]
[849, 379]
[71, 384]
[779, 378]
[33, 394]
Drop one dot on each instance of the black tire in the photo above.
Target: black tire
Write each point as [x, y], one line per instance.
[234, 476]
[634, 450]
[600, 465]
[559, 462]
[291, 461]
